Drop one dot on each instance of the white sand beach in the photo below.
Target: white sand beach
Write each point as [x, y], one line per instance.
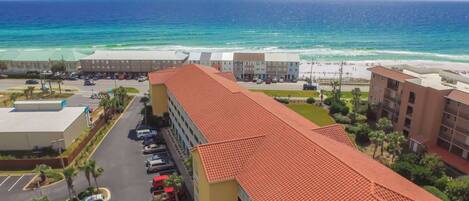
[358, 69]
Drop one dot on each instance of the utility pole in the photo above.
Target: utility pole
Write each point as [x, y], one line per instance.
[311, 71]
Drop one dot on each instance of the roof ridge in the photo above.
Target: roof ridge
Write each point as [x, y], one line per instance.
[210, 74]
[231, 140]
[382, 186]
[327, 126]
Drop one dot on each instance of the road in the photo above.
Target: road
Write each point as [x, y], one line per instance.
[120, 156]
[101, 85]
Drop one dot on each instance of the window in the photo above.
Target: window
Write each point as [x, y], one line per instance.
[407, 122]
[412, 97]
[410, 110]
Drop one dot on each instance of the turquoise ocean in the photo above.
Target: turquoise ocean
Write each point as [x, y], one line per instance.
[331, 31]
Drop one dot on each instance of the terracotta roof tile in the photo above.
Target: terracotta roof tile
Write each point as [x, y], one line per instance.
[459, 96]
[227, 75]
[393, 74]
[159, 77]
[335, 132]
[228, 156]
[290, 156]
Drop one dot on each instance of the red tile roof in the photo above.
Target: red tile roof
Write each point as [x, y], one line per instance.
[290, 161]
[450, 158]
[393, 74]
[159, 77]
[227, 75]
[335, 132]
[459, 96]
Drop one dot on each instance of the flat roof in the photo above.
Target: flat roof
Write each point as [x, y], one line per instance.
[42, 55]
[136, 55]
[38, 121]
[194, 56]
[282, 57]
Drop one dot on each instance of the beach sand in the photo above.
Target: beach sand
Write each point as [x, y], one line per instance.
[358, 69]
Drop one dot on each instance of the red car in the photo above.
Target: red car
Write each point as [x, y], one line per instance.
[159, 188]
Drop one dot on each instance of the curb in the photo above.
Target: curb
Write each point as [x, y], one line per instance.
[108, 192]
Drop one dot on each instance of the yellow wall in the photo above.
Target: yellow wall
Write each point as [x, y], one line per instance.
[222, 191]
[159, 99]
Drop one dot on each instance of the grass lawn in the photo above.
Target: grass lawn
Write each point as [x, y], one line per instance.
[132, 90]
[315, 114]
[348, 94]
[286, 93]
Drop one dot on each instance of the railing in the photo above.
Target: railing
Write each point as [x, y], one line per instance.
[445, 136]
[391, 95]
[451, 109]
[448, 122]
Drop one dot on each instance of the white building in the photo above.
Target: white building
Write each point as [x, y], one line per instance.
[282, 65]
[36, 124]
[194, 58]
[223, 61]
[131, 61]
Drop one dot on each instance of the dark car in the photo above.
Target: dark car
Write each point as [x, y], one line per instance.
[88, 83]
[268, 81]
[32, 82]
[310, 87]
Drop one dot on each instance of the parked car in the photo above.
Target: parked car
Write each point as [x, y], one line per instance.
[268, 81]
[31, 82]
[154, 148]
[3, 76]
[259, 81]
[157, 156]
[89, 82]
[141, 79]
[281, 80]
[141, 133]
[274, 80]
[311, 86]
[97, 197]
[160, 165]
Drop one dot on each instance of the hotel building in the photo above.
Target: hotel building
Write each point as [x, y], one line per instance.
[430, 106]
[246, 146]
[131, 61]
[249, 66]
[282, 65]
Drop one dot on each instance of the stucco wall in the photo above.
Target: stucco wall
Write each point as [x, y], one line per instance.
[159, 99]
[75, 129]
[27, 141]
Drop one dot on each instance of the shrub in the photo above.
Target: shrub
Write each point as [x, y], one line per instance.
[339, 118]
[436, 192]
[361, 136]
[352, 129]
[361, 118]
[339, 107]
[328, 100]
[282, 100]
[458, 189]
[7, 157]
[310, 100]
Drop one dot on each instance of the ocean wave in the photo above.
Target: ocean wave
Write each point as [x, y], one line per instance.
[409, 53]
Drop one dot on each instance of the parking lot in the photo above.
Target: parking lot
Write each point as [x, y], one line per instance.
[13, 183]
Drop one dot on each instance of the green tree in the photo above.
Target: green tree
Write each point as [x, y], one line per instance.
[377, 138]
[384, 124]
[458, 189]
[31, 91]
[356, 101]
[87, 168]
[362, 133]
[175, 181]
[336, 93]
[395, 144]
[26, 93]
[106, 103]
[58, 67]
[145, 101]
[70, 173]
[436, 192]
[434, 164]
[96, 172]
[13, 97]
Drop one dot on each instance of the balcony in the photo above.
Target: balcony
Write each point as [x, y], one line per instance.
[448, 122]
[445, 136]
[391, 95]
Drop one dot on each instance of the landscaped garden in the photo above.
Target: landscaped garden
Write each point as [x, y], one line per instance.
[8, 98]
[288, 93]
[377, 139]
[132, 90]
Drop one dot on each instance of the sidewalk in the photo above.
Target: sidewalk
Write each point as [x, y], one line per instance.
[178, 159]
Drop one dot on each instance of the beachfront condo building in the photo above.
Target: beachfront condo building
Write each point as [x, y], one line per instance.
[222, 61]
[131, 61]
[36, 61]
[246, 146]
[249, 66]
[282, 65]
[430, 106]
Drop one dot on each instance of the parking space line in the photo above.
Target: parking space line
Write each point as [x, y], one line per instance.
[15, 183]
[5, 180]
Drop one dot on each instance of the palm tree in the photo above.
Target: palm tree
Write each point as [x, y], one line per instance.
[145, 101]
[41, 170]
[96, 172]
[335, 91]
[13, 97]
[70, 173]
[106, 103]
[31, 91]
[174, 181]
[26, 93]
[396, 140]
[58, 68]
[377, 138]
[356, 100]
[384, 124]
[87, 168]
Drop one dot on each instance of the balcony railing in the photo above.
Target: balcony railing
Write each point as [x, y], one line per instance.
[448, 122]
[461, 144]
[451, 109]
[445, 136]
[391, 95]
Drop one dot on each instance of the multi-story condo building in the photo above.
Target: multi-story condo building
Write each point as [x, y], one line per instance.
[430, 106]
[282, 65]
[247, 146]
[249, 66]
[24, 61]
[222, 61]
[131, 61]
[194, 58]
